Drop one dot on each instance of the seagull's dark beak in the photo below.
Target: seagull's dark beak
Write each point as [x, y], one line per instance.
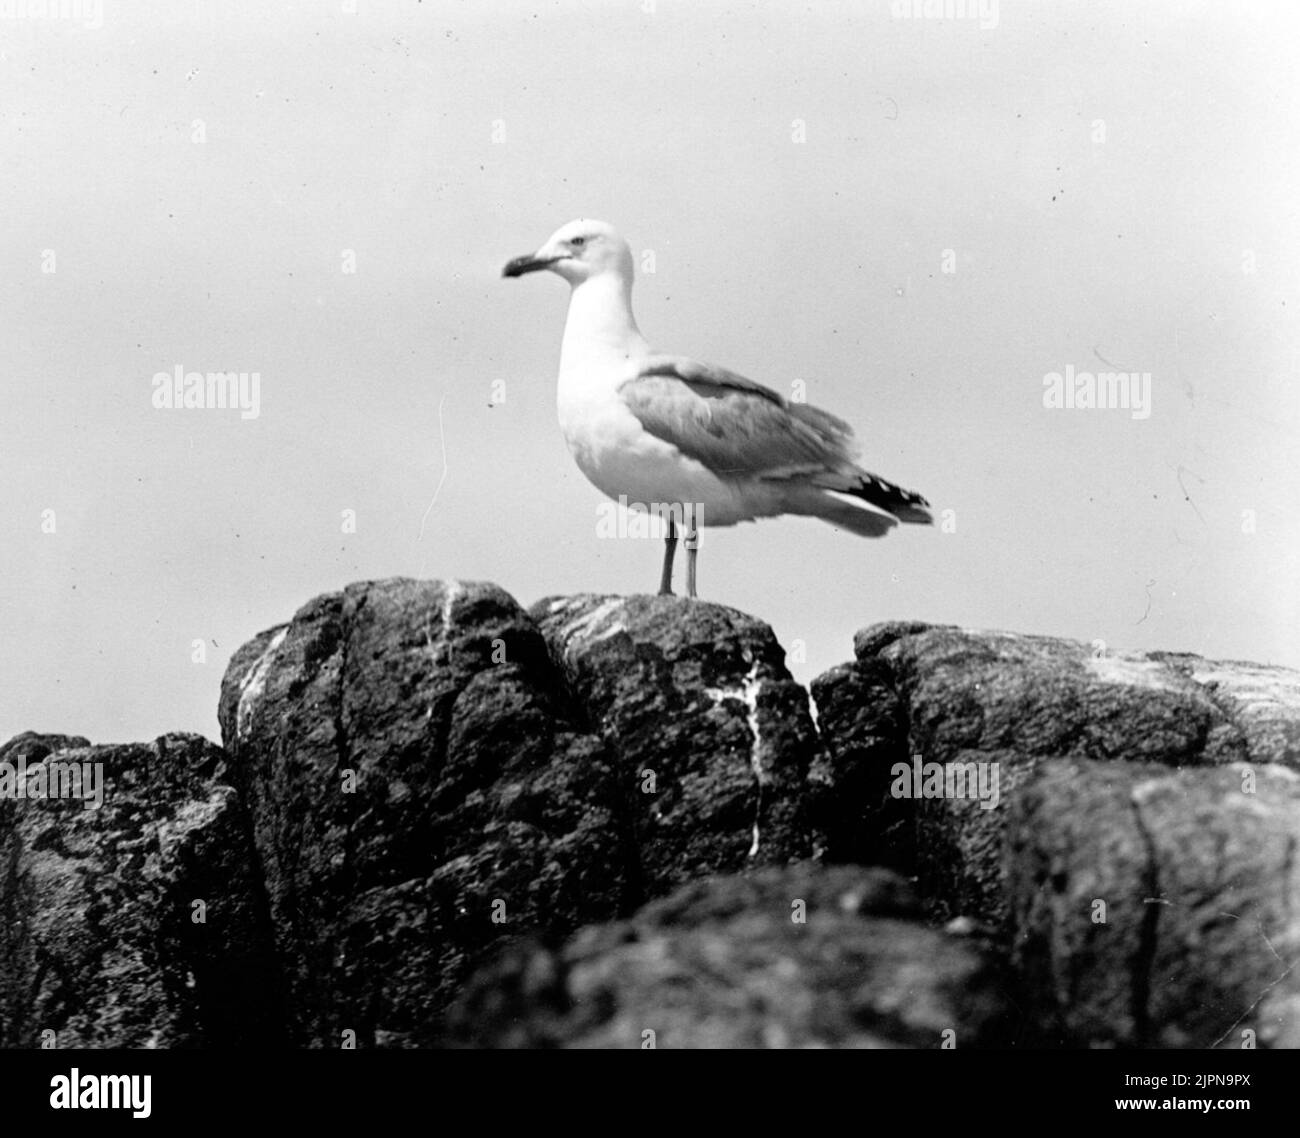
[528, 263]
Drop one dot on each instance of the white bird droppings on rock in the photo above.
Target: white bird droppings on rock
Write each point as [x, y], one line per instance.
[586, 627]
[250, 687]
[747, 693]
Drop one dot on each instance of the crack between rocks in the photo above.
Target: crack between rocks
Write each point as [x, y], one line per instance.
[1226, 708]
[1144, 958]
[900, 743]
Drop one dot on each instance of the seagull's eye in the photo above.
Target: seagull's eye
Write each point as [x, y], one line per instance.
[578, 242]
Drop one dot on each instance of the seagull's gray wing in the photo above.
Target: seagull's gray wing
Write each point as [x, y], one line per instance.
[734, 426]
[742, 430]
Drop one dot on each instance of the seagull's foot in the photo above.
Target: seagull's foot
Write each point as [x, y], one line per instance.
[666, 592]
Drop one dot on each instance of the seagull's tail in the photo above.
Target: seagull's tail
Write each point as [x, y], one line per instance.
[847, 513]
[905, 505]
[856, 501]
[848, 508]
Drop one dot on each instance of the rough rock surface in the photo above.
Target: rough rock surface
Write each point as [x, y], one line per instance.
[954, 696]
[427, 780]
[802, 956]
[416, 795]
[1158, 908]
[99, 941]
[1160, 785]
[438, 818]
[693, 699]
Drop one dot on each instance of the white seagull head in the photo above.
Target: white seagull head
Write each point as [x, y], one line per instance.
[578, 251]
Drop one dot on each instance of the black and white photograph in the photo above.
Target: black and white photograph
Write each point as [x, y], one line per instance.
[649, 525]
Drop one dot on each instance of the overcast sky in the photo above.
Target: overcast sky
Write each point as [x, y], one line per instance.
[1109, 184]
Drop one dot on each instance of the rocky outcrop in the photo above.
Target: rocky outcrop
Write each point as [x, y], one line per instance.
[704, 722]
[1138, 865]
[416, 793]
[1156, 908]
[802, 956]
[431, 772]
[440, 819]
[137, 920]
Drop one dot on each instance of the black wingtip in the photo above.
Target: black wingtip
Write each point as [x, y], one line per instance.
[906, 505]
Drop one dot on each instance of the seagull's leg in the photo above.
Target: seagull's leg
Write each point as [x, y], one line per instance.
[692, 544]
[670, 549]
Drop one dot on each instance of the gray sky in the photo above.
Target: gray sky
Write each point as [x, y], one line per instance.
[1117, 182]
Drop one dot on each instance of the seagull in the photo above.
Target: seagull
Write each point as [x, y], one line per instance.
[700, 444]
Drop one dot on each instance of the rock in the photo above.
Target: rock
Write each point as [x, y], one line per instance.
[959, 841]
[725, 963]
[1262, 704]
[1158, 908]
[430, 773]
[863, 725]
[1039, 695]
[99, 943]
[32, 746]
[438, 818]
[417, 797]
[952, 696]
[694, 702]
[1118, 780]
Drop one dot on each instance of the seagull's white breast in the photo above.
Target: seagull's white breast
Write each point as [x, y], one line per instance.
[621, 458]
